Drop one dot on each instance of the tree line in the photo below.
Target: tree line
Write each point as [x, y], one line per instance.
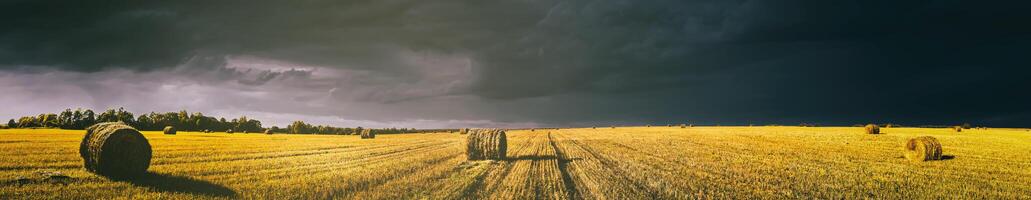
[184, 121]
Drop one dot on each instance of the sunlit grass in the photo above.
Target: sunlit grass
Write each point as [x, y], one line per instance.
[622, 163]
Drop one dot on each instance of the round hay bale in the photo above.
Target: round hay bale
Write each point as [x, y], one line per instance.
[486, 144]
[230, 131]
[268, 131]
[683, 125]
[957, 128]
[873, 129]
[368, 134]
[923, 148]
[169, 130]
[464, 131]
[207, 131]
[115, 150]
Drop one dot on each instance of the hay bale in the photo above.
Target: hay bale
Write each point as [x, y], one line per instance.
[683, 125]
[115, 150]
[873, 129]
[230, 131]
[207, 131]
[486, 144]
[268, 131]
[368, 134]
[923, 149]
[464, 131]
[957, 128]
[169, 130]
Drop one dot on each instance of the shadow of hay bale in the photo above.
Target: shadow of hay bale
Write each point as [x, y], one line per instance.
[182, 184]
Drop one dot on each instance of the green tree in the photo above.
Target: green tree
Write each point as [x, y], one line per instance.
[11, 124]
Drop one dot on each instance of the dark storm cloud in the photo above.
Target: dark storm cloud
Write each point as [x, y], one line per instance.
[550, 62]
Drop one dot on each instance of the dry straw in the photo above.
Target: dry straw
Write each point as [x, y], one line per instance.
[368, 134]
[486, 144]
[169, 130]
[923, 149]
[115, 150]
[873, 129]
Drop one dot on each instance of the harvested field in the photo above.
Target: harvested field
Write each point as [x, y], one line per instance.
[623, 163]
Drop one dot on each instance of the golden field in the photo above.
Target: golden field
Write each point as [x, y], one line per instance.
[603, 163]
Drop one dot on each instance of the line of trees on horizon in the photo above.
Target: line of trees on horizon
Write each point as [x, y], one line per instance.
[183, 121]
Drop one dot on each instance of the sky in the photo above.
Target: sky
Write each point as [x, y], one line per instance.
[524, 63]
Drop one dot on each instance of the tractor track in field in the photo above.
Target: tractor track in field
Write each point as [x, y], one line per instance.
[615, 168]
[567, 178]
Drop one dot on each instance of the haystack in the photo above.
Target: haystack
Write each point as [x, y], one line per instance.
[923, 149]
[115, 150]
[268, 131]
[683, 125]
[957, 128]
[230, 131]
[486, 144]
[464, 131]
[873, 129]
[368, 134]
[169, 130]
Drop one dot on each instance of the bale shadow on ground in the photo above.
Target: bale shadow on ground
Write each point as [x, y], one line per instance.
[183, 184]
[948, 157]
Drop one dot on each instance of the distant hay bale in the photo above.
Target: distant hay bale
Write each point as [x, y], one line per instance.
[957, 128]
[368, 134]
[873, 129]
[531, 130]
[464, 131]
[268, 131]
[648, 125]
[683, 125]
[230, 131]
[207, 131]
[923, 149]
[486, 144]
[169, 130]
[594, 127]
[115, 150]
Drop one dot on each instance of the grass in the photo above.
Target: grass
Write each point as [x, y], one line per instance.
[623, 163]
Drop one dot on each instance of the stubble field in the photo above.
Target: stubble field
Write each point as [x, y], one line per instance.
[602, 163]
